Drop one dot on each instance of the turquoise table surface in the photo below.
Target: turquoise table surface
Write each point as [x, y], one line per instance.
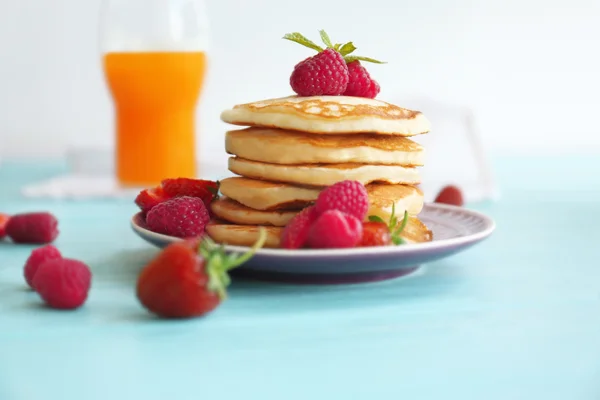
[516, 317]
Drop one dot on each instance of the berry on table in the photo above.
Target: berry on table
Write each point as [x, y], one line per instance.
[450, 195]
[183, 217]
[32, 228]
[348, 196]
[334, 229]
[332, 71]
[37, 258]
[63, 283]
[4, 218]
[295, 233]
[189, 278]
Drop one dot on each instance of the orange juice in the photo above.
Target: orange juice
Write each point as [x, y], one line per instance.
[155, 96]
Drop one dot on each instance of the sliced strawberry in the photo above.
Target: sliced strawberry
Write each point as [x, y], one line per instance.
[148, 198]
[450, 195]
[204, 189]
[3, 222]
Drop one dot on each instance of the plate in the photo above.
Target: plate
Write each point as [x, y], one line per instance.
[455, 229]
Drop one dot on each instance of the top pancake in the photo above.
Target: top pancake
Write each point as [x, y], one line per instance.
[329, 115]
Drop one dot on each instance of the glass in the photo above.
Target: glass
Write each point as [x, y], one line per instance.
[154, 63]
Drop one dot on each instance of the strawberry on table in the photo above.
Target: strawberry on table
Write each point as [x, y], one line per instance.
[3, 222]
[189, 278]
[450, 195]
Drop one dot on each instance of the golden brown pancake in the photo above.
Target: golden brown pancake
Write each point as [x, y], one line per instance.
[280, 146]
[234, 212]
[324, 174]
[246, 235]
[329, 115]
[383, 198]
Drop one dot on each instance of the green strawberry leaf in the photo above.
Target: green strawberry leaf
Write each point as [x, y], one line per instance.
[375, 218]
[347, 49]
[350, 59]
[325, 39]
[402, 225]
[299, 38]
[337, 46]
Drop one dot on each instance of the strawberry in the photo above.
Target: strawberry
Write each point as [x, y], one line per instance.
[189, 278]
[3, 222]
[148, 198]
[332, 70]
[377, 232]
[450, 195]
[204, 189]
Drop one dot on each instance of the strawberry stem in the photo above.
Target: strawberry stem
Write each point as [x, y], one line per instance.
[325, 39]
[259, 243]
[299, 38]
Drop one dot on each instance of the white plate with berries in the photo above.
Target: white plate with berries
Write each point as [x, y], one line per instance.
[454, 229]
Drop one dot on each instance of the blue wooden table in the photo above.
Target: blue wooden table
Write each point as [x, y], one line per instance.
[517, 317]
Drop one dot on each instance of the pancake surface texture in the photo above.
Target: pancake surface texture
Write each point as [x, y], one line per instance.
[324, 174]
[383, 198]
[265, 195]
[279, 146]
[329, 115]
[246, 235]
[232, 211]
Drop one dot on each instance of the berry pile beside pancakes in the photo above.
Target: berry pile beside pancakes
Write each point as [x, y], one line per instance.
[332, 138]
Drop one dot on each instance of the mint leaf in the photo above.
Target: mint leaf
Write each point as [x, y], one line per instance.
[349, 59]
[299, 38]
[325, 39]
[347, 49]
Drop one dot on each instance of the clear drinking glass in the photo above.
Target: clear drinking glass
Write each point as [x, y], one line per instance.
[154, 62]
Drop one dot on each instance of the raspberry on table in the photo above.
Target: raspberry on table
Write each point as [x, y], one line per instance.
[348, 196]
[323, 74]
[334, 229]
[295, 233]
[63, 283]
[183, 217]
[37, 258]
[360, 83]
[33, 228]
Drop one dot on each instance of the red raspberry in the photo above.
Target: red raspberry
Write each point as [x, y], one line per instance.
[148, 198]
[450, 195]
[183, 217]
[4, 218]
[334, 229]
[349, 197]
[360, 83]
[324, 74]
[32, 228]
[295, 233]
[37, 258]
[63, 283]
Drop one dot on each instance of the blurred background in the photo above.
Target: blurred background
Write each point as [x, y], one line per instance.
[527, 70]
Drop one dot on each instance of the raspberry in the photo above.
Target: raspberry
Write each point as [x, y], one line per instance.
[334, 229]
[360, 83]
[32, 228]
[450, 195]
[37, 258]
[183, 217]
[349, 197]
[63, 283]
[148, 198]
[295, 233]
[323, 74]
[4, 218]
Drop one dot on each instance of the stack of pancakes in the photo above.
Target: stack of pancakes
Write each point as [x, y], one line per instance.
[293, 147]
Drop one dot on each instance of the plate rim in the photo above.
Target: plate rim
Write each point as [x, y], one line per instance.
[489, 227]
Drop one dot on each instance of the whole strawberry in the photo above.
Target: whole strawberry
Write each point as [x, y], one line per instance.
[327, 73]
[4, 218]
[348, 196]
[189, 278]
[450, 195]
[360, 83]
[377, 232]
[334, 230]
[32, 228]
[183, 217]
[63, 283]
[37, 258]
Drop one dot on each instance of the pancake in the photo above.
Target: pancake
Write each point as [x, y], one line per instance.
[280, 146]
[246, 235]
[234, 212]
[324, 174]
[270, 196]
[329, 115]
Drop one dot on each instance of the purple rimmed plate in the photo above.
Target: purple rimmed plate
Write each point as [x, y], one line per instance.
[454, 229]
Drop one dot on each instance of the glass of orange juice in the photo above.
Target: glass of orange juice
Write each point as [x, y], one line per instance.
[154, 62]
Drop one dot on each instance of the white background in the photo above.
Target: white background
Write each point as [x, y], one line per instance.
[530, 68]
